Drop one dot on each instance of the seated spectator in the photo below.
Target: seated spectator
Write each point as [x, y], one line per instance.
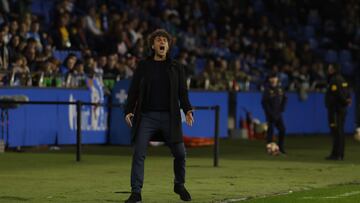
[78, 77]
[20, 65]
[130, 65]
[14, 47]
[69, 64]
[21, 71]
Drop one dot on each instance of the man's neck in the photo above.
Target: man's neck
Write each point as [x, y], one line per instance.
[159, 58]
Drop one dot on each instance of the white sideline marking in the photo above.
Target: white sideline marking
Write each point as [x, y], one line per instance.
[233, 200]
[346, 194]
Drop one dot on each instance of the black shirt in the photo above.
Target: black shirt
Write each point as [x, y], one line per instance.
[338, 93]
[159, 95]
[273, 102]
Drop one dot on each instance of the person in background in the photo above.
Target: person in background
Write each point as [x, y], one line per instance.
[69, 64]
[337, 99]
[4, 53]
[274, 103]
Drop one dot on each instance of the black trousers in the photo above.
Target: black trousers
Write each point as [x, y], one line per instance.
[336, 119]
[279, 124]
[152, 123]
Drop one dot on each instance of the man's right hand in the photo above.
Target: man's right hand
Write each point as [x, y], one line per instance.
[128, 119]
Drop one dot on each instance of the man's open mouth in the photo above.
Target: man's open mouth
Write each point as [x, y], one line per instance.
[162, 48]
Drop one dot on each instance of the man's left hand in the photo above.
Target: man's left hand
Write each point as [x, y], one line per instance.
[189, 118]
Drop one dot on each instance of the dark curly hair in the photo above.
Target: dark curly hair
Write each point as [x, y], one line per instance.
[158, 33]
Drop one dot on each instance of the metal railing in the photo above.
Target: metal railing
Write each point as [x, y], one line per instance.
[79, 105]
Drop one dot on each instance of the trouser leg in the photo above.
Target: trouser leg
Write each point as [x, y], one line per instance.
[146, 129]
[340, 133]
[270, 132]
[281, 127]
[332, 117]
[177, 150]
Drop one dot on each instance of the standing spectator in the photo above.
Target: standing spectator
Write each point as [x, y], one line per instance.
[79, 35]
[93, 22]
[34, 34]
[4, 53]
[104, 18]
[61, 35]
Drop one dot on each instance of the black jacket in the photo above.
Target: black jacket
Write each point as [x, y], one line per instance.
[273, 102]
[338, 93]
[140, 87]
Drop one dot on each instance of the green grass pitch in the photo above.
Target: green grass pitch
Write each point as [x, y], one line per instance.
[246, 174]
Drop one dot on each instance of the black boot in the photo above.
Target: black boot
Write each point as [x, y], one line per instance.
[134, 198]
[182, 192]
[334, 158]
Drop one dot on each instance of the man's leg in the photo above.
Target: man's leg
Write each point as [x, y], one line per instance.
[341, 135]
[281, 127]
[179, 154]
[270, 132]
[146, 129]
[333, 131]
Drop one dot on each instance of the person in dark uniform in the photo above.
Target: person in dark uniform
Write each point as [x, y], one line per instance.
[157, 93]
[337, 99]
[274, 102]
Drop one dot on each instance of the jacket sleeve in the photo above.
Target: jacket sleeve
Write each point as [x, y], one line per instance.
[134, 89]
[265, 103]
[183, 91]
[284, 102]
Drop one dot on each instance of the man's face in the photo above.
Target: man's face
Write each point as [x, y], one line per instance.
[274, 81]
[102, 61]
[71, 62]
[161, 46]
[331, 70]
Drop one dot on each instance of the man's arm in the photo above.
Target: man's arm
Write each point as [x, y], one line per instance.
[265, 104]
[183, 91]
[134, 89]
[284, 102]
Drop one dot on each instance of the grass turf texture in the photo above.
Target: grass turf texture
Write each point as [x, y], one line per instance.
[246, 172]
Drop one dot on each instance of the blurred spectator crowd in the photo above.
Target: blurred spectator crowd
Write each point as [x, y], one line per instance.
[225, 45]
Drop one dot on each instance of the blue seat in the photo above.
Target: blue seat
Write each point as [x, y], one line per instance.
[61, 55]
[347, 68]
[42, 8]
[331, 56]
[36, 6]
[200, 65]
[309, 31]
[313, 43]
[313, 19]
[345, 56]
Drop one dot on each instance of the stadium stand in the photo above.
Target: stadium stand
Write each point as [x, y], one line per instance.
[295, 38]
